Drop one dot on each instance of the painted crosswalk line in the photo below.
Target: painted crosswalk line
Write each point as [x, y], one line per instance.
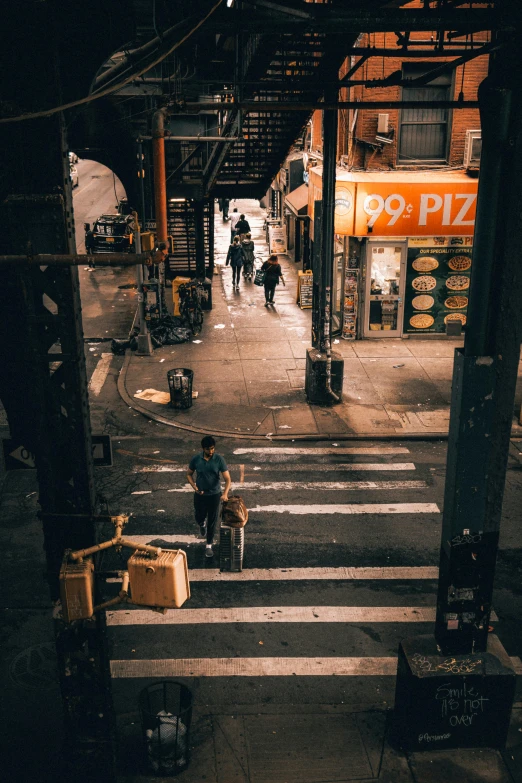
[262, 667]
[323, 486]
[100, 374]
[352, 508]
[308, 468]
[298, 574]
[254, 667]
[404, 573]
[275, 614]
[314, 451]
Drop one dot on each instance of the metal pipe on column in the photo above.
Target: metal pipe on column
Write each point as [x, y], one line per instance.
[160, 179]
[330, 123]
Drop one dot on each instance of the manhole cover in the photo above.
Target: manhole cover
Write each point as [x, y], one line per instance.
[35, 667]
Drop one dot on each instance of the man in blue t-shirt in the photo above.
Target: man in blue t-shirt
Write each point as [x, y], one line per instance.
[207, 488]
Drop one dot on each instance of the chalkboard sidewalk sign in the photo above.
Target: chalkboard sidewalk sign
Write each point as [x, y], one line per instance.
[445, 701]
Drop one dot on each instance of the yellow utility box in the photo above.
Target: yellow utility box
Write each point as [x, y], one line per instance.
[175, 294]
[77, 589]
[159, 581]
[147, 241]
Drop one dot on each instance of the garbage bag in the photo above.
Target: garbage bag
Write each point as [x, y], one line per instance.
[119, 346]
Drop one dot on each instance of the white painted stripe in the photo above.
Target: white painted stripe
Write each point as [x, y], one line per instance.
[259, 667]
[319, 485]
[353, 508]
[175, 539]
[255, 667]
[351, 450]
[298, 574]
[100, 374]
[308, 468]
[275, 614]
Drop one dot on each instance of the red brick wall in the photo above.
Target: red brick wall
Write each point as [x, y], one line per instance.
[366, 127]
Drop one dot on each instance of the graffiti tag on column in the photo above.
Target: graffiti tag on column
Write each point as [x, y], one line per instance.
[449, 665]
[473, 538]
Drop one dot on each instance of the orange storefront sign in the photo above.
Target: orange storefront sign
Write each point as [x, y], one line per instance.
[410, 209]
[399, 204]
[344, 212]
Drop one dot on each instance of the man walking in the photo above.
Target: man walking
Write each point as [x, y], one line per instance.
[234, 220]
[242, 227]
[90, 244]
[207, 488]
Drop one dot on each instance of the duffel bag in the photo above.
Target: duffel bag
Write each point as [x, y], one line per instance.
[234, 512]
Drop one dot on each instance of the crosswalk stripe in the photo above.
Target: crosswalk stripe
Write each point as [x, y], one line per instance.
[244, 470]
[353, 508]
[254, 667]
[316, 485]
[403, 573]
[275, 614]
[261, 667]
[351, 450]
[298, 574]
[100, 374]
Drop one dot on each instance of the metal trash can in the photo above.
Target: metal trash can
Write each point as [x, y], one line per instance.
[231, 548]
[180, 386]
[166, 712]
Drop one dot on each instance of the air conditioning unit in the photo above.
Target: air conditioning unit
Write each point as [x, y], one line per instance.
[472, 148]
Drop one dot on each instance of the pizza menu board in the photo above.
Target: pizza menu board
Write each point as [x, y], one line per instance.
[437, 283]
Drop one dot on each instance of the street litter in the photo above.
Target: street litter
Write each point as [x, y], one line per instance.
[162, 360]
[197, 341]
[285, 427]
[398, 365]
[143, 492]
[336, 342]
[219, 326]
[153, 395]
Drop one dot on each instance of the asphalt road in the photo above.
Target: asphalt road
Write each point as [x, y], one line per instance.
[107, 294]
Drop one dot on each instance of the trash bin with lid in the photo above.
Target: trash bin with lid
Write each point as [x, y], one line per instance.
[180, 386]
[166, 712]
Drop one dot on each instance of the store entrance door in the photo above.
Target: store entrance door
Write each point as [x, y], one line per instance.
[384, 295]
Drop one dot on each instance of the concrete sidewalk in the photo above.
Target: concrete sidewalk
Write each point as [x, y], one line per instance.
[249, 368]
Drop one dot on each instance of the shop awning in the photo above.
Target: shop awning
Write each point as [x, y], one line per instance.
[297, 200]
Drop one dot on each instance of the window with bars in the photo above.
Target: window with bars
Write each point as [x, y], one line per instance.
[424, 133]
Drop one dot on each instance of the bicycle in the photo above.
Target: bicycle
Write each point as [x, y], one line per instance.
[190, 297]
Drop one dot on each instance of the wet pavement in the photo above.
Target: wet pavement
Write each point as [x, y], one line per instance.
[249, 367]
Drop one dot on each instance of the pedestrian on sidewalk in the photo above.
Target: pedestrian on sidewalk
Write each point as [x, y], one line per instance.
[273, 274]
[248, 254]
[223, 207]
[234, 220]
[242, 227]
[207, 488]
[90, 244]
[235, 258]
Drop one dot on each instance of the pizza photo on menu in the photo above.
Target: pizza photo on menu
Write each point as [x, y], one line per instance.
[425, 264]
[423, 302]
[424, 283]
[457, 282]
[455, 317]
[459, 263]
[456, 302]
[422, 321]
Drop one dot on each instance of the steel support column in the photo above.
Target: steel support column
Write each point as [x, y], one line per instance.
[462, 658]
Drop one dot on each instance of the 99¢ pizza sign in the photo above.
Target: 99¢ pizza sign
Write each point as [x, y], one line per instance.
[411, 209]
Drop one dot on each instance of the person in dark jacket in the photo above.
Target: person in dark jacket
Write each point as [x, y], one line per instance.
[248, 254]
[90, 243]
[242, 227]
[272, 268]
[235, 258]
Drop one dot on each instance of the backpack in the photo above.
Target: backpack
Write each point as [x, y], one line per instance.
[234, 513]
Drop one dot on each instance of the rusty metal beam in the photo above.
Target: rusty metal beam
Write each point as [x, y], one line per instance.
[261, 107]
